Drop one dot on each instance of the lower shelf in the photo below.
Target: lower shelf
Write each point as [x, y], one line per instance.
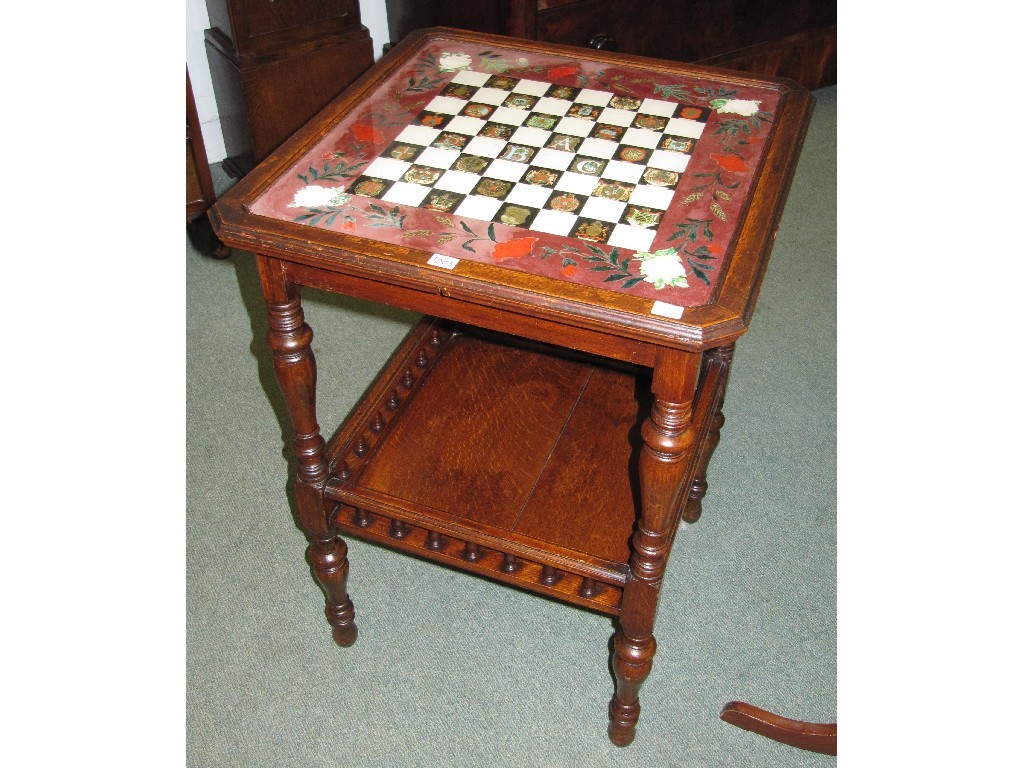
[514, 463]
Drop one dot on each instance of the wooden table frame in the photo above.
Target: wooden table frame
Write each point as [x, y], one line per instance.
[684, 365]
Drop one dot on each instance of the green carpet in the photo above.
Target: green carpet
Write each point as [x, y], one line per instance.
[453, 670]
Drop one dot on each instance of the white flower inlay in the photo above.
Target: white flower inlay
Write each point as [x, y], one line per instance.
[449, 62]
[313, 196]
[663, 268]
[744, 107]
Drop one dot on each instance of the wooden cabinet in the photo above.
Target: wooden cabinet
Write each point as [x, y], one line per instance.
[785, 38]
[276, 63]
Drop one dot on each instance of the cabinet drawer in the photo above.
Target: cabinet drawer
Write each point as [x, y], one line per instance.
[260, 26]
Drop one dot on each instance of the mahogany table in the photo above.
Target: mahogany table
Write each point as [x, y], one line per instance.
[585, 233]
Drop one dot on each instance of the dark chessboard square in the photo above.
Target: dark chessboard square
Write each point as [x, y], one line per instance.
[541, 177]
[689, 112]
[478, 110]
[459, 91]
[442, 201]
[613, 190]
[542, 121]
[566, 202]
[497, 131]
[625, 102]
[401, 150]
[494, 188]
[520, 101]
[608, 132]
[518, 153]
[630, 154]
[657, 177]
[678, 144]
[584, 112]
[501, 81]
[641, 216]
[591, 166]
[453, 141]
[564, 142]
[516, 215]
[594, 230]
[370, 186]
[471, 164]
[423, 175]
[565, 92]
[650, 122]
[432, 119]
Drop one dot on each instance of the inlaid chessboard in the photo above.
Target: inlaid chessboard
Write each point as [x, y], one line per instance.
[573, 162]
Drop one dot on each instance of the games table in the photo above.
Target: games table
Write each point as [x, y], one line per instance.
[585, 233]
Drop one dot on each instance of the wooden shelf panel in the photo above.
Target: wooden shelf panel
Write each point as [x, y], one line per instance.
[519, 451]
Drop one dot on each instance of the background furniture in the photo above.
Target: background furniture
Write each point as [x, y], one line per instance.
[275, 64]
[551, 432]
[814, 737]
[784, 38]
[199, 191]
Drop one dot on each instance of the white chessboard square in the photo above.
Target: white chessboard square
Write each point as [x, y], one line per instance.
[506, 170]
[485, 146]
[669, 161]
[469, 77]
[616, 170]
[418, 134]
[580, 183]
[531, 137]
[446, 105]
[619, 117]
[598, 148]
[602, 208]
[468, 126]
[387, 168]
[554, 222]
[594, 98]
[437, 158]
[641, 137]
[652, 197]
[529, 194]
[404, 193]
[549, 106]
[553, 158]
[478, 207]
[457, 181]
[635, 238]
[658, 107]
[574, 126]
[531, 87]
[509, 116]
[492, 96]
[679, 126]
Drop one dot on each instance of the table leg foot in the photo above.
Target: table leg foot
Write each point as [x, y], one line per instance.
[329, 558]
[631, 663]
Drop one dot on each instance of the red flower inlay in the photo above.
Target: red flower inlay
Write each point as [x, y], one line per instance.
[569, 270]
[563, 71]
[514, 249]
[733, 163]
[365, 132]
[348, 224]
[716, 248]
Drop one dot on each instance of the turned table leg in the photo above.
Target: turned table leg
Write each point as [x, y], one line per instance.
[699, 487]
[295, 368]
[664, 458]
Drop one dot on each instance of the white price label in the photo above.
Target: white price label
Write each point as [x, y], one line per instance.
[667, 310]
[440, 260]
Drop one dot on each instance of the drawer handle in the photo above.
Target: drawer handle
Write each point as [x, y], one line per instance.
[603, 42]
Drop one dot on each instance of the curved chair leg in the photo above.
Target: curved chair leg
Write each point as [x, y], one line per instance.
[814, 737]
